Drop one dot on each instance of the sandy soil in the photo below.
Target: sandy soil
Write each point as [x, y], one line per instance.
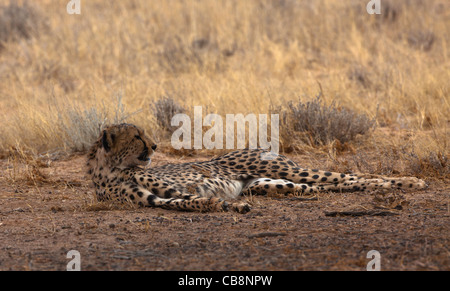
[43, 217]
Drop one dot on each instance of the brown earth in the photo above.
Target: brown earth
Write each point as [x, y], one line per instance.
[49, 209]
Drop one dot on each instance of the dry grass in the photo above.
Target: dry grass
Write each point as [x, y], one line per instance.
[61, 79]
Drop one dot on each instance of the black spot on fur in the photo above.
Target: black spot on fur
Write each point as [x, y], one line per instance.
[151, 200]
[168, 193]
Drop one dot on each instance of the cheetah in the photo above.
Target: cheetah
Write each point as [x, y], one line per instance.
[118, 164]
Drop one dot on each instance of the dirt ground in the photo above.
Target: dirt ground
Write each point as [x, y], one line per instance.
[47, 212]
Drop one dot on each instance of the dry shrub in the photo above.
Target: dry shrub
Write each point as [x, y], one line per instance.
[164, 109]
[25, 167]
[320, 124]
[20, 22]
[81, 126]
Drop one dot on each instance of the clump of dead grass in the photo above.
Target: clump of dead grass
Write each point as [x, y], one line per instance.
[164, 109]
[81, 126]
[24, 166]
[20, 22]
[317, 124]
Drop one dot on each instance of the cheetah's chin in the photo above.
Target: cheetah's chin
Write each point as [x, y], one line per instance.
[147, 165]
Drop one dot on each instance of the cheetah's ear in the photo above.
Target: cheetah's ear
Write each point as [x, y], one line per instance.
[107, 141]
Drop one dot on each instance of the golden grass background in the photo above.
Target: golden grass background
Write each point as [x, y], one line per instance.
[76, 72]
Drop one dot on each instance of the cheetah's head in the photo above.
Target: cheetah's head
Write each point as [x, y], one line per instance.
[124, 145]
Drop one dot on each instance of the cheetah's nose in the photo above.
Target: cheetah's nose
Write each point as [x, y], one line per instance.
[154, 147]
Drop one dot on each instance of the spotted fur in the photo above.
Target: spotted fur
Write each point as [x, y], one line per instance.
[118, 164]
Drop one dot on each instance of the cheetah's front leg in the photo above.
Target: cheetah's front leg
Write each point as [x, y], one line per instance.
[143, 197]
[161, 188]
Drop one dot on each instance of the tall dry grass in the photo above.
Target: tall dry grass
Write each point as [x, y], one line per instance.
[231, 56]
